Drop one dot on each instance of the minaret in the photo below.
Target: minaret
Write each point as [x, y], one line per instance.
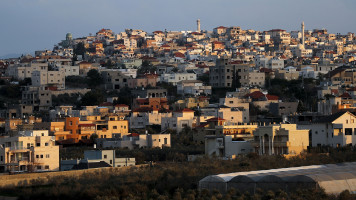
[303, 42]
[198, 25]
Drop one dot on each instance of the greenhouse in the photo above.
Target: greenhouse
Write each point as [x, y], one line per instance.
[333, 178]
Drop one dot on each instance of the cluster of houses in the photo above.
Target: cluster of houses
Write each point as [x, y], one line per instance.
[194, 63]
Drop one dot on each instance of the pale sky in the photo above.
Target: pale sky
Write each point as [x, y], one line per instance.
[29, 25]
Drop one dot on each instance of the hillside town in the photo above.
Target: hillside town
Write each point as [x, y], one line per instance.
[223, 93]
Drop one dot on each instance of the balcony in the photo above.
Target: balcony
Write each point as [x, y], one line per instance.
[281, 143]
[19, 149]
[23, 161]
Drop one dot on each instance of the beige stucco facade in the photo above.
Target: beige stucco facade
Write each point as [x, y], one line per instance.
[280, 139]
[30, 151]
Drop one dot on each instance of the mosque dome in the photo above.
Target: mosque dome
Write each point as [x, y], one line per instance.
[69, 36]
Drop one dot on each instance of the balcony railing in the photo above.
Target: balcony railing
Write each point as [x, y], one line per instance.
[19, 148]
[23, 159]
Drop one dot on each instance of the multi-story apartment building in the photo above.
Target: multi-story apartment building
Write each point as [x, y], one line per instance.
[142, 117]
[74, 130]
[148, 80]
[69, 70]
[280, 139]
[29, 151]
[177, 77]
[193, 87]
[24, 70]
[179, 120]
[39, 97]
[48, 78]
[114, 79]
[334, 130]
[229, 74]
[154, 102]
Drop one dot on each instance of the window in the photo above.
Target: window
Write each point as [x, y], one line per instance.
[337, 131]
[38, 144]
[46, 144]
[47, 155]
[105, 156]
[114, 127]
[46, 167]
[110, 162]
[41, 156]
[1, 158]
[165, 141]
[37, 156]
[348, 131]
[38, 167]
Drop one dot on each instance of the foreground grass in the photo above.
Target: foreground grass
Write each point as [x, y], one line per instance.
[176, 180]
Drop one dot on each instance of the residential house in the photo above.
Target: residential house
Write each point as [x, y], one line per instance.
[280, 139]
[29, 151]
[335, 130]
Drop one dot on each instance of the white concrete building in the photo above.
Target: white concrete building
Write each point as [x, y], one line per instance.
[224, 146]
[178, 121]
[176, 77]
[334, 130]
[137, 141]
[69, 70]
[193, 87]
[48, 78]
[141, 119]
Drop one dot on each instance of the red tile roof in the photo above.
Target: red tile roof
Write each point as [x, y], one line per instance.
[266, 70]
[258, 94]
[121, 105]
[106, 104]
[134, 135]
[272, 97]
[346, 95]
[276, 30]
[185, 110]
[215, 119]
[179, 55]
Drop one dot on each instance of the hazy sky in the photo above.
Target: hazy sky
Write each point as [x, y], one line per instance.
[29, 25]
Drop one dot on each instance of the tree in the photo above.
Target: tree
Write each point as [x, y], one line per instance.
[25, 82]
[301, 107]
[146, 67]
[235, 80]
[92, 98]
[94, 78]
[204, 78]
[93, 137]
[79, 49]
